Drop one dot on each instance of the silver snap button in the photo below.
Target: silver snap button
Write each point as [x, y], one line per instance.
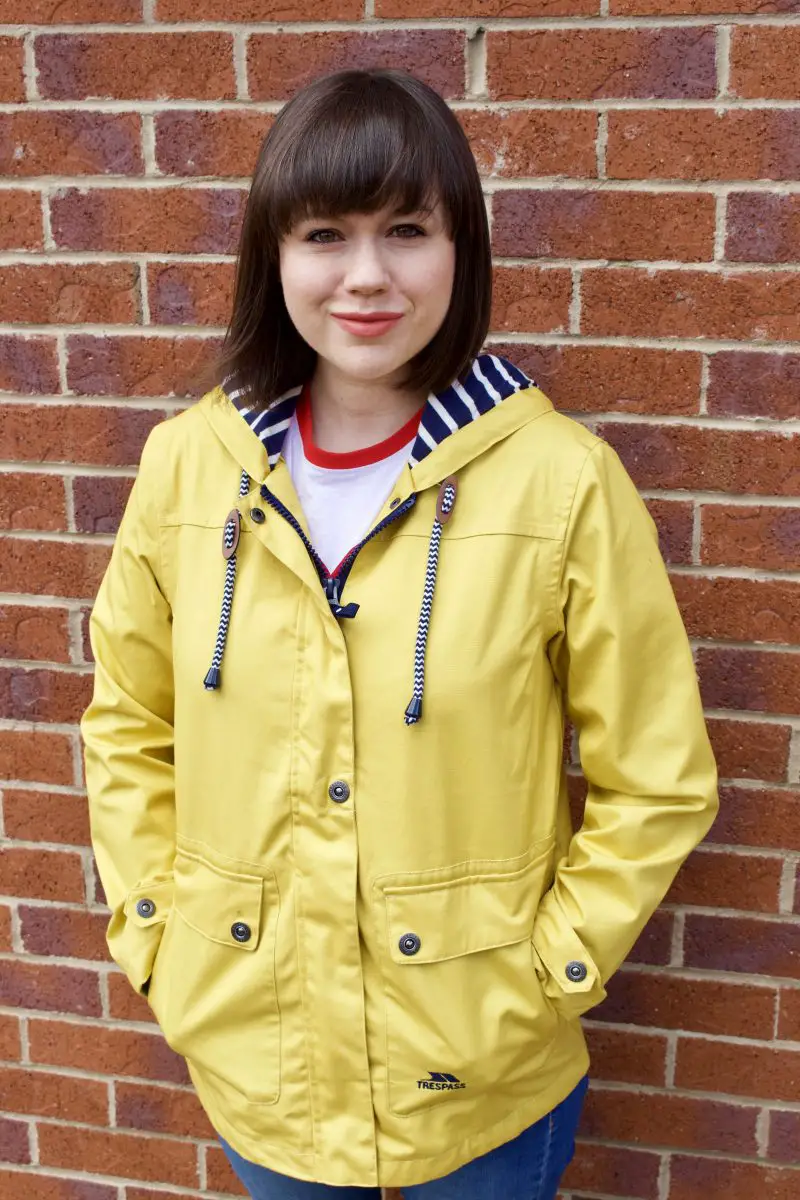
[339, 791]
[241, 931]
[409, 943]
[258, 515]
[145, 908]
[576, 971]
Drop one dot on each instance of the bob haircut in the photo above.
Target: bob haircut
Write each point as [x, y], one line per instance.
[356, 141]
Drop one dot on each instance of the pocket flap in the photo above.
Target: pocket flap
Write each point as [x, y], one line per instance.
[159, 892]
[225, 906]
[448, 918]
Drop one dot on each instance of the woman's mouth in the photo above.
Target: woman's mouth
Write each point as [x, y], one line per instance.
[367, 327]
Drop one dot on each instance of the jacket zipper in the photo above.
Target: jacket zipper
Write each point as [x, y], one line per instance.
[334, 584]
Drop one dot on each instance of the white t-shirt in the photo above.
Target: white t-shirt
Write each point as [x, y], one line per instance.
[341, 494]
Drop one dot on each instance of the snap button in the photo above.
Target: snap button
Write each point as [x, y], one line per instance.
[410, 943]
[339, 791]
[240, 931]
[145, 908]
[576, 971]
[394, 503]
[258, 515]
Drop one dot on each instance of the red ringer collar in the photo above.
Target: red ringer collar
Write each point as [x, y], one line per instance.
[335, 460]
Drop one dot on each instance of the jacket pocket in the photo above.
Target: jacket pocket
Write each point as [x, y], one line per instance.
[465, 1010]
[212, 988]
[134, 943]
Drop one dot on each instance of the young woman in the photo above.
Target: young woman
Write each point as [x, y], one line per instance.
[355, 591]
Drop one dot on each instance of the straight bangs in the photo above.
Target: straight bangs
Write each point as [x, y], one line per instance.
[355, 142]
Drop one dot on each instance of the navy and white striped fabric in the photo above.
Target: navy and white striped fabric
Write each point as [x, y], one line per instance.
[491, 379]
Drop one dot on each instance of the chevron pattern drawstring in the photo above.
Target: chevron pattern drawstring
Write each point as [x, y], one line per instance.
[444, 508]
[230, 541]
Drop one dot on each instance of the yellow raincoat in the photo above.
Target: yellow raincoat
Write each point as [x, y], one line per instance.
[343, 871]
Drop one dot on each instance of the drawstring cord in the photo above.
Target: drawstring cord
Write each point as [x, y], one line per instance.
[444, 508]
[230, 541]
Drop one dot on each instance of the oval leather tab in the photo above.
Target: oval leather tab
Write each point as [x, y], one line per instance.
[233, 518]
[442, 516]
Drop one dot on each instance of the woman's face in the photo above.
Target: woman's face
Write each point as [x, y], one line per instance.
[368, 263]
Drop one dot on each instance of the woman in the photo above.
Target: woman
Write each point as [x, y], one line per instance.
[328, 803]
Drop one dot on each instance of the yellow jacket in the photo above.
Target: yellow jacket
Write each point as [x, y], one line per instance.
[345, 865]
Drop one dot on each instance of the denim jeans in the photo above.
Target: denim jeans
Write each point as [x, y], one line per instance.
[528, 1167]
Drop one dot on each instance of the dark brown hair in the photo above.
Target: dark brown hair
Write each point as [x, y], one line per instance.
[356, 141]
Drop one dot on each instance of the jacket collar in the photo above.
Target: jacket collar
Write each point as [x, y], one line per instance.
[491, 380]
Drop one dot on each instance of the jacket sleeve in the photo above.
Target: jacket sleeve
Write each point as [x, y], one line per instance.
[623, 662]
[128, 735]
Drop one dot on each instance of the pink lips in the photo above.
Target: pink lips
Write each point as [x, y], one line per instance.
[367, 328]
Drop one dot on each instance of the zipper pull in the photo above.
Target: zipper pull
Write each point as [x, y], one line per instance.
[332, 589]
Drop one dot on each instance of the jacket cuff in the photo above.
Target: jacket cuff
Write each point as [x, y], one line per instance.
[134, 943]
[569, 975]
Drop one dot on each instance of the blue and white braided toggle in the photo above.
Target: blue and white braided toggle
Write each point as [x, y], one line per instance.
[230, 541]
[444, 507]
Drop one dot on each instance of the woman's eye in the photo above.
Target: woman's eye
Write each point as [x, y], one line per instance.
[315, 234]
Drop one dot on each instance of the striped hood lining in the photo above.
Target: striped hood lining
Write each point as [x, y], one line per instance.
[491, 380]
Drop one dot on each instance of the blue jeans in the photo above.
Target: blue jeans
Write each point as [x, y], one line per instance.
[528, 1167]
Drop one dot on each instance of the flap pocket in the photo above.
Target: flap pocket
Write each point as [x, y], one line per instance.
[445, 918]
[149, 903]
[225, 906]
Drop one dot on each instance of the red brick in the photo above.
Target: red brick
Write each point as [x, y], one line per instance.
[669, 1001]
[760, 1072]
[36, 695]
[157, 66]
[9, 1039]
[709, 879]
[582, 223]
[64, 932]
[749, 384]
[76, 433]
[758, 817]
[684, 456]
[220, 144]
[57, 988]
[654, 944]
[750, 680]
[124, 1003]
[664, 1120]
[703, 144]
[32, 502]
[280, 64]
[14, 1141]
[750, 750]
[137, 366]
[415, 10]
[5, 928]
[118, 1154]
[662, 8]
[41, 874]
[43, 1094]
[784, 1136]
[746, 610]
[36, 756]
[20, 217]
[165, 220]
[592, 64]
[737, 536]
[12, 58]
[220, 1173]
[161, 1110]
[625, 379]
[621, 1056]
[766, 947]
[763, 228]
[68, 12]
[531, 300]
[613, 1170]
[39, 1187]
[92, 1047]
[69, 569]
[628, 302]
[789, 1014]
[700, 1178]
[46, 817]
[675, 524]
[100, 502]
[71, 143]
[764, 62]
[531, 142]
[28, 364]
[190, 293]
[255, 10]
[68, 293]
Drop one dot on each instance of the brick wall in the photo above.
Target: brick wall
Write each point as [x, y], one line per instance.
[641, 162]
